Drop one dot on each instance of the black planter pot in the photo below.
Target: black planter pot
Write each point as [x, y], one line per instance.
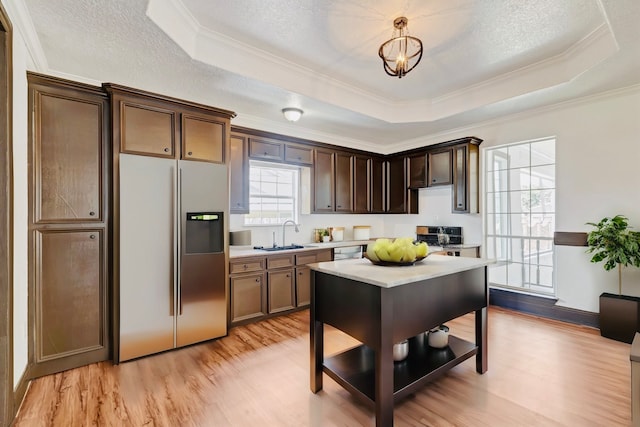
[619, 316]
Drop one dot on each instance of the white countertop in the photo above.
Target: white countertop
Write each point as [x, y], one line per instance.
[245, 251]
[364, 271]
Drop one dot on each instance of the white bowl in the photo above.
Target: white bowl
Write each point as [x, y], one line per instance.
[400, 351]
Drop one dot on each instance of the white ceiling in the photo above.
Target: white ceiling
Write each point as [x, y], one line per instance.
[482, 59]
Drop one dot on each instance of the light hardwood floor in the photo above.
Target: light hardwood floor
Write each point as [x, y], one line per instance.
[541, 373]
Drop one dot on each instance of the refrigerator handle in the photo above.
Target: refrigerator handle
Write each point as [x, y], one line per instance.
[172, 281]
[179, 241]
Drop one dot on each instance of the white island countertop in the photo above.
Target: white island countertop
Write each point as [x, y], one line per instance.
[362, 270]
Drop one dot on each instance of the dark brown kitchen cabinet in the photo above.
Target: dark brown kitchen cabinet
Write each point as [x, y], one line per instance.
[418, 171]
[377, 185]
[344, 182]
[203, 138]
[324, 179]
[266, 149]
[71, 316]
[68, 209]
[146, 129]
[361, 195]
[298, 154]
[303, 286]
[248, 296]
[465, 178]
[281, 290]
[439, 168]
[149, 124]
[68, 150]
[397, 185]
[238, 174]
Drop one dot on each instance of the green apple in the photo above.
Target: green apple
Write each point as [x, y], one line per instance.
[422, 249]
[371, 252]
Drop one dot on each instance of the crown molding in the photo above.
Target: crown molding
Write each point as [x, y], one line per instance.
[22, 21]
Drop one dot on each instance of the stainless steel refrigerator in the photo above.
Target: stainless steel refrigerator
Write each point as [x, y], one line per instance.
[173, 228]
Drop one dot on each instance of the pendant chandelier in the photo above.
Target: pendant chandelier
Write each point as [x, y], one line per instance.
[402, 52]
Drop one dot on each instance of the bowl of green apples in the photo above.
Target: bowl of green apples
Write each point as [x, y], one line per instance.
[402, 251]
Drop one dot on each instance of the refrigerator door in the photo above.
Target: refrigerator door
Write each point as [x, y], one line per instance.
[148, 254]
[202, 296]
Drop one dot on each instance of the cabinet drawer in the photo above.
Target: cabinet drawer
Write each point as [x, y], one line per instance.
[301, 155]
[280, 261]
[308, 258]
[246, 265]
[261, 149]
[324, 255]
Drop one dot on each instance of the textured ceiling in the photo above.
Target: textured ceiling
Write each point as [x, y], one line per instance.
[483, 59]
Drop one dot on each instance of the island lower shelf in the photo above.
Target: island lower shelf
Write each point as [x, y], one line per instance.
[354, 369]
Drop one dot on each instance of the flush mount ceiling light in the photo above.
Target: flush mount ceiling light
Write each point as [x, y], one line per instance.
[402, 52]
[292, 114]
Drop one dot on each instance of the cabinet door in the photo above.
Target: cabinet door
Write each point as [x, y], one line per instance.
[68, 141]
[418, 171]
[303, 286]
[460, 179]
[281, 291]
[298, 154]
[465, 179]
[323, 174]
[146, 129]
[397, 185]
[263, 149]
[70, 309]
[248, 297]
[344, 182]
[239, 175]
[203, 138]
[360, 185]
[376, 185]
[439, 169]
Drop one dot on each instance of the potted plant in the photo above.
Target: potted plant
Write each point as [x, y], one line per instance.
[613, 243]
[324, 235]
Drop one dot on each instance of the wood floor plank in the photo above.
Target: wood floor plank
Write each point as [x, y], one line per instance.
[541, 373]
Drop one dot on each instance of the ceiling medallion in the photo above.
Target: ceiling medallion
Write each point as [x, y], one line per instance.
[402, 52]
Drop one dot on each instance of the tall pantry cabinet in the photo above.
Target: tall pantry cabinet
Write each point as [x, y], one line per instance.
[68, 224]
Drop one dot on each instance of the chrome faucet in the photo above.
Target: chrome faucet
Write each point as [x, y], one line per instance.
[285, 223]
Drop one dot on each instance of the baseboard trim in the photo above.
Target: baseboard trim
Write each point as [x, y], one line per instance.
[21, 390]
[541, 306]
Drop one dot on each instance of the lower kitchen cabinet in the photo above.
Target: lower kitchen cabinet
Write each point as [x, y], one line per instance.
[303, 286]
[265, 286]
[281, 290]
[248, 297]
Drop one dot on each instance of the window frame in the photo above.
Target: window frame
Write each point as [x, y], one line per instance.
[501, 243]
[295, 197]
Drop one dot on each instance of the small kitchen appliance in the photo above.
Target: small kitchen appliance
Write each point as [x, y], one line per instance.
[433, 235]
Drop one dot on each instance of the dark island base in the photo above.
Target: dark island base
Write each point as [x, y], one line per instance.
[355, 369]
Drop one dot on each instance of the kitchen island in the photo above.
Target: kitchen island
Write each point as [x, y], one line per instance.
[380, 306]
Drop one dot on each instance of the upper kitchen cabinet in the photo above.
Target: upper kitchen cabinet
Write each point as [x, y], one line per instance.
[397, 185]
[465, 177]
[344, 182]
[69, 142]
[418, 171]
[155, 125]
[323, 179]
[333, 181]
[361, 195]
[266, 149]
[439, 167]
[377, 185]
[298, 154]
[203, 137]
[238, 174]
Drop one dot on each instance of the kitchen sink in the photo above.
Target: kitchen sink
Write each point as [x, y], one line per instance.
[279, 248]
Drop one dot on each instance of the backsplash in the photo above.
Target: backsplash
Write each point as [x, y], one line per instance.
[434, 207]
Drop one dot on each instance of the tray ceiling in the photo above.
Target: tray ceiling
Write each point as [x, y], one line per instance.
[481, 60]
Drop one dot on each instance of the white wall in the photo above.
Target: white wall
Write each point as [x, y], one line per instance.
[21, 62]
